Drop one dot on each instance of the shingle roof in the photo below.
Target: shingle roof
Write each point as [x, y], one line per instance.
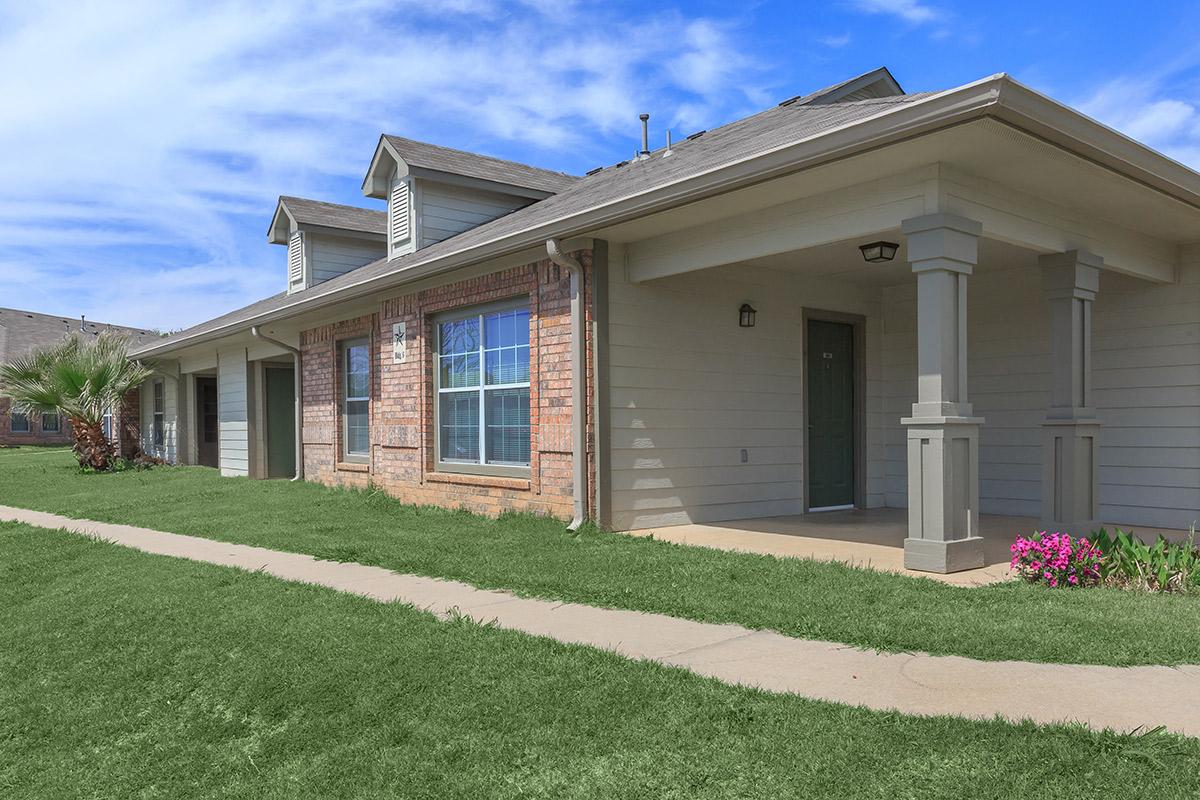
[767, 130]
[22, 331]
[473, 165]
[333, 215]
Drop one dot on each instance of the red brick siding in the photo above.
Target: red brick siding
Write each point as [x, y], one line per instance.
[322, 413]
[36, 435]
[402, 399]
[127, 425]
[127, 441]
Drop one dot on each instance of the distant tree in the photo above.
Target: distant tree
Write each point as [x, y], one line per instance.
[78, 379]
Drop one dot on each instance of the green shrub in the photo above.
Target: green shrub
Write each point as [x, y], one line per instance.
[1161, 567]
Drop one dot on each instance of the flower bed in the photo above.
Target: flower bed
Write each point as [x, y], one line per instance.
[1056, 559]
[1121, 560]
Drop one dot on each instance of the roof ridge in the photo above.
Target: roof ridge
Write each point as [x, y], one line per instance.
[292, 197]
[393, 137]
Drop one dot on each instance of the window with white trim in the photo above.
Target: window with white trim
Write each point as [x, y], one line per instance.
[106, 423]
[482, 375]
[356, 399]
[50, 423]
[19, 423]
[158, 422]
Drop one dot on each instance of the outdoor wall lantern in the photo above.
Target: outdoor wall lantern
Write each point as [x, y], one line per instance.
[746, 316]
[879, 251]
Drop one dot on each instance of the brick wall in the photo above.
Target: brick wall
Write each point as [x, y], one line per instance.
[127, 424]
[402, 396]
[127, 442]
[36, 435]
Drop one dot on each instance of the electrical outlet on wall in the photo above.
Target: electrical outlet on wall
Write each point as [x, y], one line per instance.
[745, 456]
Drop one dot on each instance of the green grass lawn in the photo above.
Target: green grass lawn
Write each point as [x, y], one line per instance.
[126, 675]
[538, 557]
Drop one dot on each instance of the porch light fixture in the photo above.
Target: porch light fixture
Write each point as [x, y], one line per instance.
[876, 252]
[746, 316]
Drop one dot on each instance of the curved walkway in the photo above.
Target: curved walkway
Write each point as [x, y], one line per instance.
[1123, 698]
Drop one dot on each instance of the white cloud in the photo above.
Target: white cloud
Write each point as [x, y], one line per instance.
[908, 10]
[1140, 107]
[145, 141]
[835, 41]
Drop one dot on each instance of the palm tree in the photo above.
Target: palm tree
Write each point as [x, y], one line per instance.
[78, 379]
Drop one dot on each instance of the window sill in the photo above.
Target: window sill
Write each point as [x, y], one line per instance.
[467, 479]
[351, 466]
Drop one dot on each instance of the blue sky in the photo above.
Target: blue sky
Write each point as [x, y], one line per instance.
[142, 145]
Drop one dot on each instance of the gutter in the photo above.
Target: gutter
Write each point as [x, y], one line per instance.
[299, 384]
[578, 383]
[997, 96]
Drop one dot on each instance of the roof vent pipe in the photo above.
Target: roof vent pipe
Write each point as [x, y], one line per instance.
[645, 151]
[668, 151]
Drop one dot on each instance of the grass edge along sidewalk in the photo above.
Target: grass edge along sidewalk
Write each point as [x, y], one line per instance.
[536, 557]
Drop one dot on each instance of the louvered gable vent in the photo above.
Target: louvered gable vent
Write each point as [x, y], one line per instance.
[399, 213]
[296, 258]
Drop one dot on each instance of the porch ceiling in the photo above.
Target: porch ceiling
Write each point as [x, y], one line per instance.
[1024, 190]
[842, 261]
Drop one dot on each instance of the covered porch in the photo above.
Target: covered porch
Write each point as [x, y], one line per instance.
[1022, 363]
[860, 538]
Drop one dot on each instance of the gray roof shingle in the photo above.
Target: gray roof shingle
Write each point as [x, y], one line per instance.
[776, 127]
[333, 215]
[23, 331]
[473, 165]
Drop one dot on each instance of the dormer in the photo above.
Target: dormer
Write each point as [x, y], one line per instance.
[435, 192]
[325, 240]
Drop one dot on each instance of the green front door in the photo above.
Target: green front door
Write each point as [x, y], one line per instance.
[281, 422]
[830, 414]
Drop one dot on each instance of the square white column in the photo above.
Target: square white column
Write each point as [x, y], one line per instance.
[943, 433]
[1071, 430]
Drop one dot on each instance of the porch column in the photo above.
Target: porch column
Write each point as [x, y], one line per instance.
[943, 433]
[1071, 431]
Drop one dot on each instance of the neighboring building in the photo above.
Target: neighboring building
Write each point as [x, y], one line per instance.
[24, 331]
[715, 332]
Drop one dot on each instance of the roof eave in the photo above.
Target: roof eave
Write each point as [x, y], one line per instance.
[1041, 116]
[997, 95]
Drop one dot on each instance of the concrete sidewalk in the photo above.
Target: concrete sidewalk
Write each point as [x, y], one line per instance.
[1122, 698]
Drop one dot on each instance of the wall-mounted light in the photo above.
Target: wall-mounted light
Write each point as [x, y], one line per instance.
[879, 251]
[746, 316]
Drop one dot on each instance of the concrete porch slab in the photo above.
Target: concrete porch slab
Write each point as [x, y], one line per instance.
[871, 538]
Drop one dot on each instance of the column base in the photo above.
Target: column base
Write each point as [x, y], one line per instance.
[955, 555]
[1070, 480]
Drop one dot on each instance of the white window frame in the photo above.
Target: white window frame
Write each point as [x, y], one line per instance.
[481, 467]
[12, 423]
[106, 423]
[345, 399]
[158, 417]
[57, 422]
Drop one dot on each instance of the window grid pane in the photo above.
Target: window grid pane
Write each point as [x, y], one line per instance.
[483, 365]
[357, 427]
[356, 394]
[508, 426]
[19, 423]
[459, 420]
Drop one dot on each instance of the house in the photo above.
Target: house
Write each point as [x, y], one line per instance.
[961, 302]
[24, 331]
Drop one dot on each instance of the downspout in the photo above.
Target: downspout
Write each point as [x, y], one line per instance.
[578, 382]
[297, 379]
